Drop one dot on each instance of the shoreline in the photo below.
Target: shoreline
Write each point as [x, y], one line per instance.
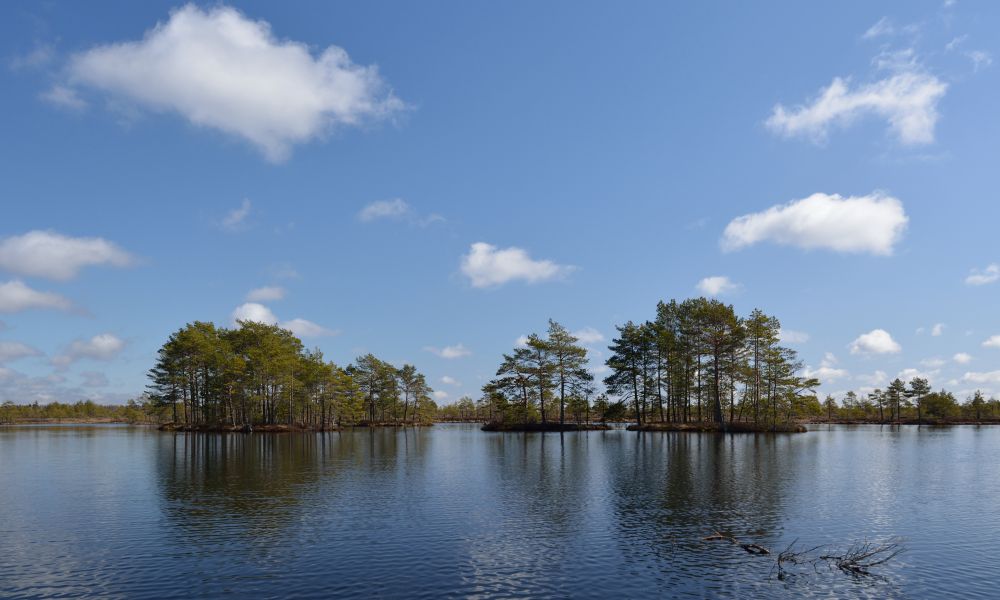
[707, 427]
[279, 428]
[544, 427]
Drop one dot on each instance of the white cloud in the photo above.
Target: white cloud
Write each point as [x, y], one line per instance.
[717, 285]
[222, 70]
[827, 371]
[396, 209]
[988, 275]
[253, 311]
[992, 342]
[456, 351]
[15, 296]
[55, 256]
[303, 328]
[449, 380]
[983, 377]
[937, 330]
[10, 351]
[876, 341]
[872, 223]
[487, 266]
[440, 395]
[933, 363]
[907, 100]
[789, 336]
[235, 219]
[63, 97]
[521, 341]
[104, 346]
[826, 374]
[266, 293]
[962, 358]
[384, 209]
[587, 335]
[876, 379]
[908, 374]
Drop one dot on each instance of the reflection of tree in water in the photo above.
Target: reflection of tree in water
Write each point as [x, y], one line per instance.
[234, 484]
[671, 490]
[540, 498]
[259, 490]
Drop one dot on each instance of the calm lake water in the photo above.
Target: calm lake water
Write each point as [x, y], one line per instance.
[449, 511]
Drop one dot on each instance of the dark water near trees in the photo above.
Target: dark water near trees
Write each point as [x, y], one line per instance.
[110, 511]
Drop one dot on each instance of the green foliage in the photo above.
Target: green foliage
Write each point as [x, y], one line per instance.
[698, 360]
[261, 374]
[543, 375]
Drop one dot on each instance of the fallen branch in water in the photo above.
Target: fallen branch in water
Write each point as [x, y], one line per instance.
[861, 557]
[749, 548]
[755, 549]
[857, 560]
[720, 536]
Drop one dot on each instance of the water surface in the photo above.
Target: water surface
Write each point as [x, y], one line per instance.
[449, 511]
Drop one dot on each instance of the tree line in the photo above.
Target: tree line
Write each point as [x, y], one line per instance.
[260, 374]
[131, 412]
[696, 360]
[911, 401]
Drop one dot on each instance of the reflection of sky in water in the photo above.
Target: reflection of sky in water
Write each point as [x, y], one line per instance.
[115, 511]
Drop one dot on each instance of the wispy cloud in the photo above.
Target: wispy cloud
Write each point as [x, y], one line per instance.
[450, 352]
[396, 209]
[384, 209]
[11, 351]
[907, 100]
[588, 335]
[982, 277]
[104, 346]
[266, 294]
[16, 296]
[236, 219]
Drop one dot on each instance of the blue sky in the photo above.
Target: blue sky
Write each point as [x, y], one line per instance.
[430, 182]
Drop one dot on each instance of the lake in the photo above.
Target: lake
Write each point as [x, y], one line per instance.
[449, 511]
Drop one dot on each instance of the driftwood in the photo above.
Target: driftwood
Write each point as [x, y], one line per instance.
[857, 560]
[860, 558]
[749, 548]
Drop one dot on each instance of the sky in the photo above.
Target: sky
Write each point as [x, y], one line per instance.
[430, 182]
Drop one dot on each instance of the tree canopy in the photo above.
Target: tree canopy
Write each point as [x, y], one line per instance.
[260, 374]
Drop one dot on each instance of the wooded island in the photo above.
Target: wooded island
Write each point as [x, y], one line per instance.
[260, 376]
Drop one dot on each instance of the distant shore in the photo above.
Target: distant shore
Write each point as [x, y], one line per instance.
[722, 428]
[72, 421]
[908, 421]
[543, 427]
[279, 427]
